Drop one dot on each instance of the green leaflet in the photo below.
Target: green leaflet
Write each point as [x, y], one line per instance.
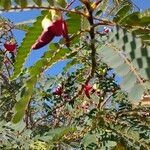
[51, 146]
[73, 22]
[38, 2]
[144, 21]
[85, 25]
[48, 59]
[22, 27]
[116, 6]
[51, 2]
[18, 116]
[61, 3]
[133, 19]
[59, 133]
[102, 7]
[122, 12]
[70, 64]
[21, 3]
[122, 69]
[128, 82]
[1, 60]
[136, 92]
[143, 34]
[6, 4]
[129, 133]
[88, 139]
[21, 105]
[2, 20]
[126, 54]
[132, 47]
[74, 25]
[25, 48]
[32, 36]
[18, 26]
[146, 13]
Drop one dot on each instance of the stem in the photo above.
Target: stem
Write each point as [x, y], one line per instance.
[105, 101]
[45, 8]
[29, 114]
[7, 70]
[92, 36]
[93, 49]
[70, 4]
[6, 81]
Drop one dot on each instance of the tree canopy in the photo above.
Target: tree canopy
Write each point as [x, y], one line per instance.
[83, 107]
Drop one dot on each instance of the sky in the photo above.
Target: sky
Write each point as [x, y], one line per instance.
[36, 54]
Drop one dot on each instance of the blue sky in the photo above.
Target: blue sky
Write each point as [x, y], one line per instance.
[27, 15]
[142, 4]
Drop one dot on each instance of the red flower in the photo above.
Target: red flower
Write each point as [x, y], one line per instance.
[87, 89]
[107, 30]
[10, 46]
[57, 28]
[58, 91]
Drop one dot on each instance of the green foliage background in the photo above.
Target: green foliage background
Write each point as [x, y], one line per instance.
[107, 118]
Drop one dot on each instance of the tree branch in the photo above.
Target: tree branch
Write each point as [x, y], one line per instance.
[92, 36]
[43, 8]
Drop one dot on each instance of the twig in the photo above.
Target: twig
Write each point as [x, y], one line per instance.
[70, 4]
[25, 22]
[105, 101]
[93, 49]
[92, 36]
[103, 22]
[45, 8]
[4, 78]
[131, 112]
[7, 70]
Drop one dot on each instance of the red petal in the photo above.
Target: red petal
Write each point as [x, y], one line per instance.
[56, 27]
[58, 91]
[43, 40]
[59, 28]
[10, 47]
[87, 87]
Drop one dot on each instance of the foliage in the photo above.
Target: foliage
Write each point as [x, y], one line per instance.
[83, 107]
[129, 58]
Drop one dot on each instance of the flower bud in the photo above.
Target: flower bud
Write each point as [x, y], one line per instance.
[58, 91]
[50, 30]
[87, 89]
[46, 23]
[10, 46]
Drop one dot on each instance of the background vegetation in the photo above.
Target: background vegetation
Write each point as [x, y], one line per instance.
[84, 107]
